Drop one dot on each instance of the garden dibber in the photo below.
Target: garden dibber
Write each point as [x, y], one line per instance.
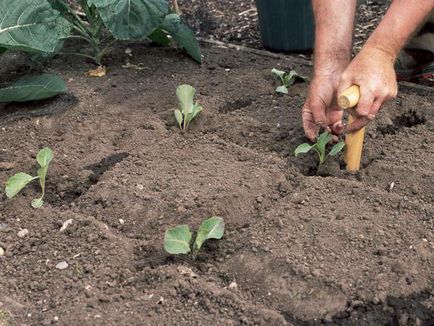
[348, 99]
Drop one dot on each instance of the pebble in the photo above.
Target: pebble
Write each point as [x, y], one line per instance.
[316, 272]
[181, 209]
[398, 268]
[2, 252]
[22, 233]
[376, 300]
[3, 227]
[65, 225]
[62, 265]
[356, 303]
[233, 285]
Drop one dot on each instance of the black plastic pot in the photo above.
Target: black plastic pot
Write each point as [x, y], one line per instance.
[286, 25]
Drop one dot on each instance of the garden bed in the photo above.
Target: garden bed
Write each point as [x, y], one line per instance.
[299, 249]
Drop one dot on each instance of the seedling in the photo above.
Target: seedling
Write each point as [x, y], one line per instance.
[286, 79]
[320, 148]
[188, 110]
[178, 239]
[18, 181]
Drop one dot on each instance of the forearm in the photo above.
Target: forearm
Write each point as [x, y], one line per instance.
[400, 22]
[334, 24]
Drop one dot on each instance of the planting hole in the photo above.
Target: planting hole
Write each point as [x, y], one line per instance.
[236, 105]
[408, 119]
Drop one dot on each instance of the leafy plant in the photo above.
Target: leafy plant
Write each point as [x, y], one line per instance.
[178, 239]
[286, 79]
[18, 181]
[43, 25]
[320, 148]
[188, 110]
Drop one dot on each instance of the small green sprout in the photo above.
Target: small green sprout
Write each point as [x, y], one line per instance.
[286, 79]
[320, 148]
[18, 181]
[188, 110]
[178, 239]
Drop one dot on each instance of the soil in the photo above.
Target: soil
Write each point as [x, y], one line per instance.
[237, 22]
[299, 249]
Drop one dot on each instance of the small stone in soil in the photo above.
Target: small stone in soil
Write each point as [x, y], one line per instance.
[22, 233]
[65, 225]
[62, 265]
[2, 252]
[316, 272]
[3, 227]
[233, 285]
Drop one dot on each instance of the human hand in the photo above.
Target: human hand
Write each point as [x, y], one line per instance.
[320, 109]
[372, 70]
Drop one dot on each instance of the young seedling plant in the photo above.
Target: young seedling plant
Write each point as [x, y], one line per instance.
[188, 110]
[42, 28]
[18, 181]
[320, 148]
[178, 239]
[286, 79]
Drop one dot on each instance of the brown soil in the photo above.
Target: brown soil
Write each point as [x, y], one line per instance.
[302, 249]
[236, 21]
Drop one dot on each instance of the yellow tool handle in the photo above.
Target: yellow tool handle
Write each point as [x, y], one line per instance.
[354, 141]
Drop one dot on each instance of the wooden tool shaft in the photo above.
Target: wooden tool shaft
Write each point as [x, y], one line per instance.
[349, 97]
[353, 141]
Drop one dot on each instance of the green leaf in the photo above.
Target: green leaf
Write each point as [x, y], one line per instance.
[303, 149]
[31, 25]
[44, 157]
[196, 110]
[278, 74]
[282, 90]
[177, 240]
[212, 228]
[182, 35]
[286, 79]
[322, 141]
[16, 183]
[179, 118]
[185, 94]
[292, 77]
[337, 148]
[131, 19]
[33, 88]
[160, 37]
[38, 202]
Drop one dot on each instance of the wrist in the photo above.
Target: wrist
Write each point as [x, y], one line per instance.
[388, 53]
[331, 64]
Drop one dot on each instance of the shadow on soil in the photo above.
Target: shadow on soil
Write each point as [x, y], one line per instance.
[50, 107]
[409, 119]
[408, 310]
[78, 187]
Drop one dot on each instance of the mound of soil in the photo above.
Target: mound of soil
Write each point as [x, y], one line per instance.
[299, 249]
